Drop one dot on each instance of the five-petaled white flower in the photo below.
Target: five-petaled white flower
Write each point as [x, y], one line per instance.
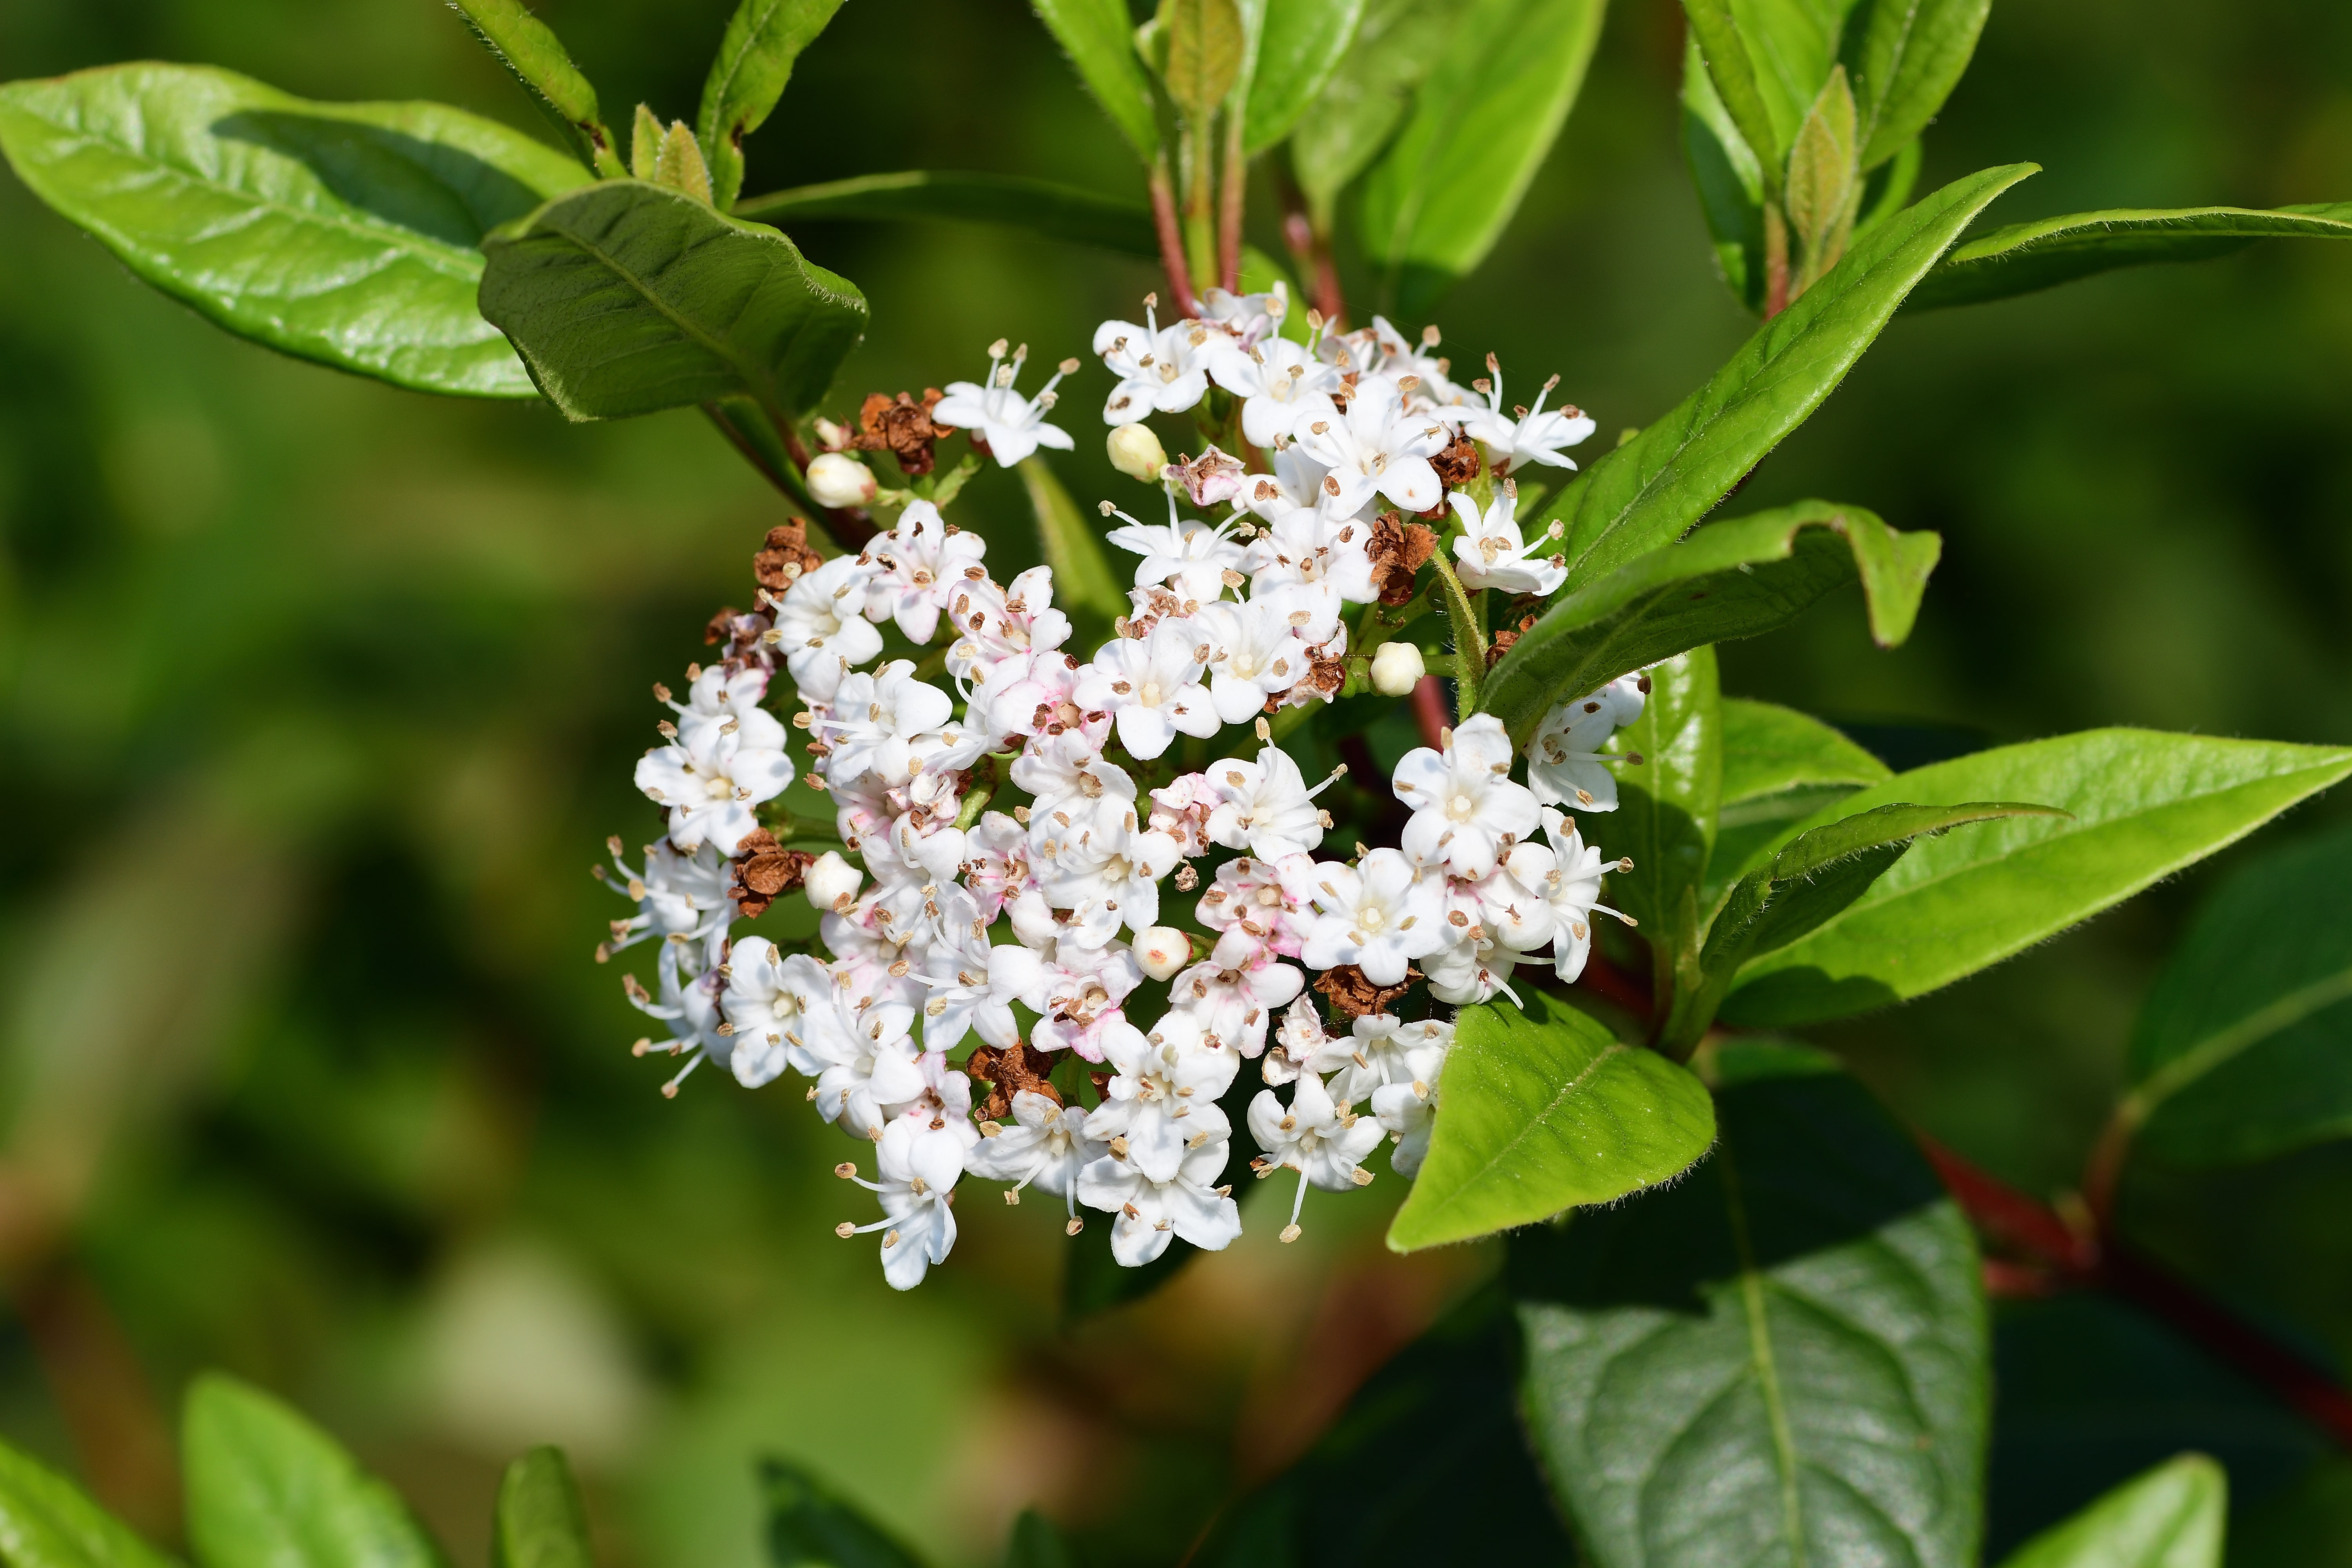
[922, 562]
[1325, 1142]
[1162, 1100]
[763, 1003]
[1011, 426]
[1492, 553]
[917, 1189]
[877, 719]
[1160, 369]
[1255, 651]
[1264, 806]
[1151, 688]
[1378, 916]
[1521, 438]
[1146, 1214]
[711, 777]
[821, 629]
[1101, 862]
[1047, 1144]
[1465, 805]
[1191, 556]
[1565, 765]
[1376, 448]
[1275, 379]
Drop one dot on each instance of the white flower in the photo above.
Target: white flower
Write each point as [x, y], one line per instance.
[1010, 426]
[1159, 369]
[1151, 688]
[1522, 437]
[712, 776]
[875, 951]
[763, 1003]
[1210, 478]
[1471, 971]
[1162, 1100]
[681, 902]
[1515, 901]
[690, 1005]
[1324, 1142]
[1061, 769]
[1296, 481]
[1407, 1108]
[1254, 904]
[876, 720]
[1494, 555]
[1377, 448]
[820, 628]
[1264, 806]
[866, 1061]
[838, 479]
[917, 1224]
[1299, 1041]
[1149, 1214]
[1311, 552]
[832, 882]
[1573, 890]
[1098, 860]
[1247, 317]
[1396, 359]
[1465, 803]
[997, 870]
[964, 997]
[1188, 555]
[923, 559]
[1275, 379]
[723, 700]
[992, 626]
[1075, 990]
[1179, 808]
[1161, 951]
[1046, 1144]
[1234, 1002]
[1379, 915]
[1254, 653]
[1135, 451]
[1565, 762]
[1377, 1051]
[1397, 668]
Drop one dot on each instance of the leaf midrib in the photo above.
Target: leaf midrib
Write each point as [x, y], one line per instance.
[2227, 1043]
[1759, 1349]
[1614, 1047]
[686, 326]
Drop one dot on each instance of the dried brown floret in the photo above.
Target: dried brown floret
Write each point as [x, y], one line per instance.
[902, 427]
[765, 871]
[1353, 996]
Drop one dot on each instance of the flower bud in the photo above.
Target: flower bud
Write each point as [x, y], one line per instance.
[1161, 951]
[833, 882]
[1396, 668]
[836, 479]
[1136, 452]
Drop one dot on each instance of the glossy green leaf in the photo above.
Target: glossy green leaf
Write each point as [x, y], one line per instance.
[1723, 47]
[763, 40]
[344, 233]
[2026, 256]
[1779, 766]
[2245, 1049]
[628, 298]
[1544, 1111]
[1905, 57]
[1300, 44]
[1039, 1542]
[1205, 45]
[1396, 45]
[1040, 206]
[1086, 587]
[1099, 39]
[1781, 1359]
[1730, 181]
[541, 1523]
[47, 1521]
[1481, 125]
[1647, 493]
[1666, 803]
[267, 1489]
[811, 1526]
[529, 49]
[2172, 1517]
[2143, 806]
[1729, 580]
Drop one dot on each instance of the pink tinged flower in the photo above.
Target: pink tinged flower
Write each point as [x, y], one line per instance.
[923, 561]
[1254, 652]
[1147, 1214]
[1162, 370]
[1493, 554]
[1326, 1143]
[1266, 806]
[1235, 1003]
[1179, 808]
[877, 944]
[917, 1224]
[996, 869]
[1162, 1100]
[1099, 861]
[763, 1009]
[1254, 904]
[1275, 379]
[1565, 764]
[1297, 1043]
[1076, 991]
[1151, 688]
[712, 781]
[1379, 915]
[877, 719]
[1046, 1144]
[1376, 448]
[1010, 426]
[821, 630]
[1465, 805]
[1247, 318]
[1191, 556]
[990, 625]
[1211, 479]
[1524, 437]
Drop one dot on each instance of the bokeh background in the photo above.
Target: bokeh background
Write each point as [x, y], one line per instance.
[317, 699]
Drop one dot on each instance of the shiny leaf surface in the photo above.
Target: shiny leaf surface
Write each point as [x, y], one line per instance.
[2171, 1517]
[2027, 256]
[267, 1489]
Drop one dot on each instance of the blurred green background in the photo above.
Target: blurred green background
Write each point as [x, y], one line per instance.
[317, 698]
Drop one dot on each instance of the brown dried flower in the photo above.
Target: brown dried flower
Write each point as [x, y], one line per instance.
[764, 870]
[784, 556]
[1458, 464]
[1009, 1070]
[1353, 996]
[1398, 553]
[902, 427]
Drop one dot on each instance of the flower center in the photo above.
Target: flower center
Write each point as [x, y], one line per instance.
[1117, 869]
[1460, 809]
[1370, 918]
[1150, 695]
[719, 787]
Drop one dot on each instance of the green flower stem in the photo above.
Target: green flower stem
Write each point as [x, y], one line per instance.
[978, 793]
[1469, 641]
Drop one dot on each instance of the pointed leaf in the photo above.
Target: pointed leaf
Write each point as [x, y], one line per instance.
[1647, 493]
[1396, 45]
[2142, 805]
[1905, 57]
[1824, 177]
[811, 1526]
[1729, 580]
[628, 298]
[1300, 44]
[1732, 67]
[1084, 587]
[2026, 256]
[529, 49]
[763, 41]
[1781, 1358]
[47, 1521]
[679, 164]
[1730, 181]
[1666, 803]
[267, 1489]
[2172, 1517]
[344, 233]
[1206, 45]
[1779, 766]
[1543, 1110]
[539, 1523]
[1041, 207]
[1099, 40]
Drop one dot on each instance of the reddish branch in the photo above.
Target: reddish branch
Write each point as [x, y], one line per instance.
[1172, 242]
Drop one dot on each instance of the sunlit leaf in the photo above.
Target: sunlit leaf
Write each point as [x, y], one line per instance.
[1204, 46]
[267, 1489]
[763, 40]
[1667, 803]
[540, 1522]
[2171, 1517]
[1779, 766]
[1099, 39]
[1905, 57]
[1397, 43]
[529, 49]
[1300, 44]
[1015, 201]
[47, 1521]
[2026, 256]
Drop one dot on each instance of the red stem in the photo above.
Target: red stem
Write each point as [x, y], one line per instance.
[1172, 242]
[1430, 712]
[1233, 193]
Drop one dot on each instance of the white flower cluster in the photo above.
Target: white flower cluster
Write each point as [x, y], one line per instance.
[1019, 816]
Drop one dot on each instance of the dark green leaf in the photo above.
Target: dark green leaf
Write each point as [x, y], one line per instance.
[344, 233]
[755, 59]
[811, 1526]
[2143, 806]
[1724, 39]
[1395, 45]
[1730, 181]
[2307, 1525]
[1781, 1359]
[1644, 494]
[627, 298]
[1085, 587]
[267, 1489]
[529, 49]
[2025, 256]
[1481, 125]
[1666, 803]
[2244, 1050]
[1543, 1110]
[1094, 1281]
[47, 1521]
[1300, 46]
[1905, 57]
[1039, 1542]
[2171, 1517]
[1729, 580]
[540, 1523]
[1041, 207]
[1099, 39]
[1206, 45]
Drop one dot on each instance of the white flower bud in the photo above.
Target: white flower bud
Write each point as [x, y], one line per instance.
[1136, 452]
[1161, 951]
[833, 882]
[836, 479]
[1396, 668]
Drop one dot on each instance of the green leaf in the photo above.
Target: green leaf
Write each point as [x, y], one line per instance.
[1730, 183]
[763, 40]
[1301, 43]
[1543, 1110]
[1644, 494]
[2245, 1049]
[1780, 767]
[1824, 179]
[2172, 1517]
[1437, 200]
[1099, 40]
[47, 1521]
[811, 1526]
[1666, 804]
[1729, 580]
[267, 1489]
[2026, 256]
[1905, 57]
[2143, 806]
[1041, 207]
[628, 298]
[1084, 587]
[1206, 45]
[1781, 1359]
[541, 1523]
[1723, 46]
[1039, 1542]
[1395, 45]
[529, 49]
[344, 233]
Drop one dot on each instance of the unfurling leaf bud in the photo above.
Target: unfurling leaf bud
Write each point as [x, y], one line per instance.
[836, 479]
[1397, 668]
[833, 882]
[1136, 452]
[1161, 951]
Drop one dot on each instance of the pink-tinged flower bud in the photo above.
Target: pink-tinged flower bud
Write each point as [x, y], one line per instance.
[833, 882]
[836, 479]
[1397, 668]
[1161, 951]
[1211, 479]
[1136, 452]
